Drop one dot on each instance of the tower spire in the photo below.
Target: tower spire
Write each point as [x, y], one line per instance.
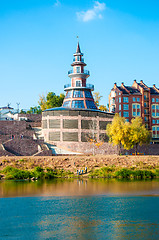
[78, 48]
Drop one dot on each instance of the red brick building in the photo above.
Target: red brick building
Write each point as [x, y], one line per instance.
[137, 100]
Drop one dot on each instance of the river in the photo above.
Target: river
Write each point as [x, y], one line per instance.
[79, 209]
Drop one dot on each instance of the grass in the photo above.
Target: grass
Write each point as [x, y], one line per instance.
[124, 173]
[12, 173]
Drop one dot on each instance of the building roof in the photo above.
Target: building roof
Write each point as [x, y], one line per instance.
[132, 90]
[78, 48]
[153, 91]
[75, 109]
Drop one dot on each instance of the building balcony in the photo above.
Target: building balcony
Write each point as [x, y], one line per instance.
[82, 60]
[88, 86]
[85, 72]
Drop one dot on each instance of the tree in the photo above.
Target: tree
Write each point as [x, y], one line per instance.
[103, 108]
[97, 98]
[51, 100]
[34, 110]
[22, 111]
[127, 134]
[139, 134]
[118, 132]
[92, 136]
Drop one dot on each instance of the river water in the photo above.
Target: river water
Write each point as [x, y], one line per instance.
[79, 209]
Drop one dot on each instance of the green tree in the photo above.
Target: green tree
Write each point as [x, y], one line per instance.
[51, 100]
[34, 110]
[22, 111]
[139, 135]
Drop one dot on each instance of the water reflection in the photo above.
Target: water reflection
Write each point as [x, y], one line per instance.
[78, 187]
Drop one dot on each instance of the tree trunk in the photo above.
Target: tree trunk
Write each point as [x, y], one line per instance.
[119, 148]
[136, 149]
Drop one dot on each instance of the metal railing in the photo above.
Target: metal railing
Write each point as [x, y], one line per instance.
[90, 86]
[82, 60]
[67, 85]
[87, 72]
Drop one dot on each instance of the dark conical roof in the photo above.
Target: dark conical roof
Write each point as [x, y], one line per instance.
[78, 48]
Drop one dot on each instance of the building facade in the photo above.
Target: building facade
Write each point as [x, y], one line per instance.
[137, 100]
[78, 121]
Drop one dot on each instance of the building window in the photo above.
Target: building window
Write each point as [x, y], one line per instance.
[157, 121]
[157, 99]
[126, 120]
[68, 95]
[138, 99]
[119, 99]
[78, 58]
[153, 99]
[136, 110]
[155, 110]
[78, 70]
[78, 84]
[88, 94]
[78, 94]
[155, 131]
[145, 104]
[125, 99]
[119, 93]
[78, 104]
[125, 106]
[134, 99]
[153, 121]
[90, 105]
[125, 114]
[120, 114]
[66, 104]
[119, 106]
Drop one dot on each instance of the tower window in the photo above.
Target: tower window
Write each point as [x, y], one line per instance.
[78, 58]
[68, 95]
[78, 84]
[66, 104]
[88, 94]
[91, 105]
[78, 69]
[77, 94]
[78, 104]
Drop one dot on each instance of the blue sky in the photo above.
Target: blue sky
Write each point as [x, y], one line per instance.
[119, 39]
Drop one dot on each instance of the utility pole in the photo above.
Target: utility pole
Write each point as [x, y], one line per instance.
[18, 107]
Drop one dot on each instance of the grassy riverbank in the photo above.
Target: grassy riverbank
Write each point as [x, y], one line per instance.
[99, 166]
[11, 173]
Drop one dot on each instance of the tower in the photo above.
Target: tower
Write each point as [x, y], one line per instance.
[79, 93]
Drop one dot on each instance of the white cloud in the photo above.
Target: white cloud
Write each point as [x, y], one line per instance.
[57, 3]
[93, 13]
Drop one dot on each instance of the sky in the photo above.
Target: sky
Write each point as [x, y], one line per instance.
[119, 39]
